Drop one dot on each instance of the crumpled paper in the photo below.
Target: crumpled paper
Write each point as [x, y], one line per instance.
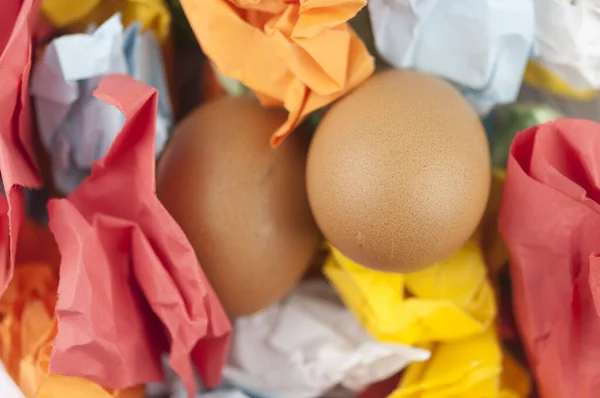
[26, 333]
[7, 385]
[473, 367]
[448, 309]
[550, 220]
[18, 167]
[75, 16]
[308, 344]
[130, 283]
[567, 52]
[299, 54]
[418, 307]
[75, 127]
[482, 46]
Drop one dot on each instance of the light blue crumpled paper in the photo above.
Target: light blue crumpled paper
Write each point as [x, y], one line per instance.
[482, 46]
[75, 127]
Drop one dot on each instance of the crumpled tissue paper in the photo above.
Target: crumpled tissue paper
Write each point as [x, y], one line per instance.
[130, 285]
[300, 54]
[550, 221]
[482, 46]
[75, 127]
[418, 307]
[18, 167]
[306, 345]
[567, 51]
[7, 385]
[473, 367]
[27, 330]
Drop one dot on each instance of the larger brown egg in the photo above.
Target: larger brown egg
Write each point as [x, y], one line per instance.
[399, 172]
[242, 204]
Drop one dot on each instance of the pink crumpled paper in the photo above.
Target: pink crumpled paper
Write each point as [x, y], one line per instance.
[550, 221]
[18, 166]
[130, 284]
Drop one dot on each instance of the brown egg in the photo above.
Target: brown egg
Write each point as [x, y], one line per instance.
[242, 205]
[398, 172]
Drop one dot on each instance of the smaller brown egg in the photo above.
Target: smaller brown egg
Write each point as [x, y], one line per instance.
[398, 172]
[242, 204]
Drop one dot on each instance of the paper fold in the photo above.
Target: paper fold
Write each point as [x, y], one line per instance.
[308, 344]
[482, 46]
[550, 221]
[301, 54]
[131, 285]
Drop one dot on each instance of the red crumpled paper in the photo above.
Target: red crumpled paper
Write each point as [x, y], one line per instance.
[18, 167]
[550, 220]
[130, 283]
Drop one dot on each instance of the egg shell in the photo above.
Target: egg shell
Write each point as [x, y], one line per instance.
[242, 204]
[398, 172]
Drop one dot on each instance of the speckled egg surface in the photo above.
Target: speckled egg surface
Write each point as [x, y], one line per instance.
[398, 172]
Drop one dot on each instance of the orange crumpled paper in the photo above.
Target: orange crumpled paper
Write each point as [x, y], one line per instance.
[18, 166]
[26, 333]
[297, 53]
[550, 220]
[130, 283]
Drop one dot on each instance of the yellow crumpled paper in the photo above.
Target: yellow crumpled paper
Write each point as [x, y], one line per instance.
[418, 307]
[301, 54]
[449, 309]
[27, 330]
[541, 78]
[76, 15]
[469, 368]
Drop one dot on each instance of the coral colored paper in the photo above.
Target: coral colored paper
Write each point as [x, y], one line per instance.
[17, 163]
[550, 220]
[26, 333]
[130, 283]
[300, 54]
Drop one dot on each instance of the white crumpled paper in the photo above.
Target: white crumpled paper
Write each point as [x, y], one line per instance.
[308, 344]
[482, 46]
[568, 41]
[8, 388]
[75, 127]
